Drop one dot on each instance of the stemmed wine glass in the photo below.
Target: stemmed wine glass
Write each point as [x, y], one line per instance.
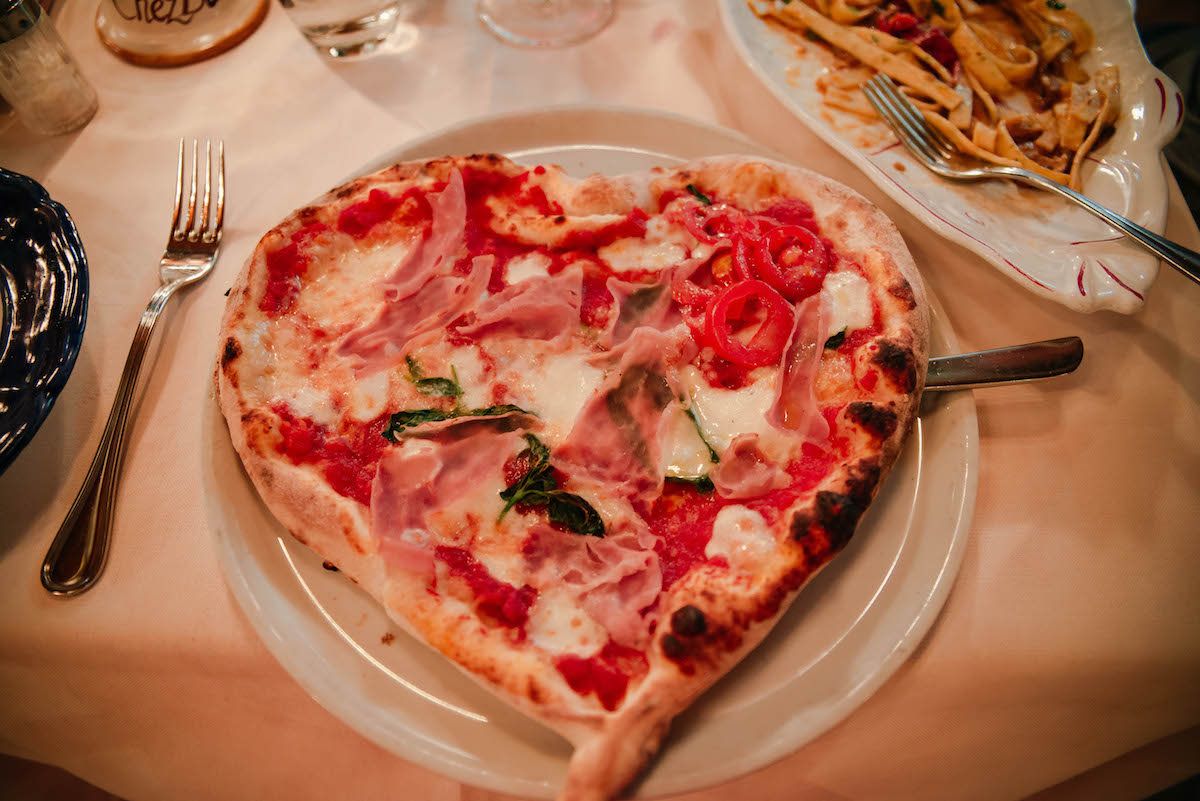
[544, 23]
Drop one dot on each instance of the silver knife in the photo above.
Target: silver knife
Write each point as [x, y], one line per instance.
[989, 368]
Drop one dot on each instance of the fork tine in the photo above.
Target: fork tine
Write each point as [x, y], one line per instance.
[911, 140]
[186, 228]
[914, 115]
[202, 225]
[219, 216]
[178, 192]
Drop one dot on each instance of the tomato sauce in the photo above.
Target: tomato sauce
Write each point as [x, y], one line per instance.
[682, 518]
[607, 674]
[285, 267]
[359, 219]
[348, 457]
[502, 602]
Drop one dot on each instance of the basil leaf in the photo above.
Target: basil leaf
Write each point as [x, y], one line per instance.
[412, 417]
[835, 341]
[415, 417]
[703, 198]
[538, 487]
[493, 411]
[537, 448]
[703, 484]
[712, 454]
[536, 483]
[573, 512]
[440, 387]
[939, 9]
[1054, 4]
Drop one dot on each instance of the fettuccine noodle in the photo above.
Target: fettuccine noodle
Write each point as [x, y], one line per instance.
[1002, 80]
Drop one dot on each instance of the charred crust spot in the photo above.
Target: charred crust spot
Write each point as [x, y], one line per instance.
[231, 351]
[388, 638]
[688, 621]
[329, 566]
[838, 513]
[308, 214]
[802, 524]
[827, 528]
[897, 363]
[879, 421]
[673, 647]
[903, 290]
[559, 220]
[346, 190]
[534, 692]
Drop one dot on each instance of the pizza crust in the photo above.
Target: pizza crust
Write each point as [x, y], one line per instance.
[685, 657]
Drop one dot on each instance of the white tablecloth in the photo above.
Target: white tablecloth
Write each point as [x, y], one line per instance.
[1070, 638]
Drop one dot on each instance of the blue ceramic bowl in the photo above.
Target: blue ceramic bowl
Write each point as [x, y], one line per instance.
[43, 307]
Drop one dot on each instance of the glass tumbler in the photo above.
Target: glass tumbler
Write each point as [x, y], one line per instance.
[350, 28]
[38, 77]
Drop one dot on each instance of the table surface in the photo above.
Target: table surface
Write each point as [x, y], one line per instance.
[1072, 634]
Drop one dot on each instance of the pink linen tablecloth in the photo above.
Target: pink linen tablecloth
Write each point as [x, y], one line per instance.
[1071, 637]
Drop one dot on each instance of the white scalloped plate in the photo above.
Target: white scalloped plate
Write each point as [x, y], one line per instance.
[850, 629]
[1044, 243]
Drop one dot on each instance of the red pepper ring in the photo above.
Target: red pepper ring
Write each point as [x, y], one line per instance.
[742, 250]
[767, 344]
[796, 279]
[686, 292]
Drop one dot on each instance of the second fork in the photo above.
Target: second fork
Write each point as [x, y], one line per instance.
[79, 552]
[930, 147]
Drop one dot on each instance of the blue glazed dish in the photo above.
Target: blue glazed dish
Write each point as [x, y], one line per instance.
[43, 307]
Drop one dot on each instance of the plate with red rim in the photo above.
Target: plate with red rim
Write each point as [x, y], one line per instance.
[848, 631]
[1045, 243]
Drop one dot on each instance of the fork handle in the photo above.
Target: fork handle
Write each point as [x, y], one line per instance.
[79, 552]
[1179, 257]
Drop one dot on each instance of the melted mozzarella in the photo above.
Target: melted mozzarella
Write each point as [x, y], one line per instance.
[558, 625]
[847, 297]
[684, 454]
[522, 268]
[556, 391]
[472, 377]
[740, 536]
[641, 254]
[306, 401]
[346, 274]
[368, 397]
[723, 414]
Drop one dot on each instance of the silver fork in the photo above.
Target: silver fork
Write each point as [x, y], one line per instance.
[80, 549]
[933, 149]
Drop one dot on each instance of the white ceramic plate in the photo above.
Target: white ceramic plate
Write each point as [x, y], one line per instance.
[849, 630]
[1045, 243]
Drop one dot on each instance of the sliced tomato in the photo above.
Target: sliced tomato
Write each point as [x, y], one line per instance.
[793, 260]
[728, 307]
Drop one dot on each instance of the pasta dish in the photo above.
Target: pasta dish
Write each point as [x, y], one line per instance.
[1002, 80]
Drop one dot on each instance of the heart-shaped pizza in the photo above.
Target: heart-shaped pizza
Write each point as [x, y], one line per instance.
[586, 438]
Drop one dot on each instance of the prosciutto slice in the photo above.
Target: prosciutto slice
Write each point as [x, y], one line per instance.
[795, 407]
[422, 478]
[639, 305]
[543, 307]
[615, 578]
[433, 253]
[744, 472]
[616, 440]
[380, 343]
[421, 282]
